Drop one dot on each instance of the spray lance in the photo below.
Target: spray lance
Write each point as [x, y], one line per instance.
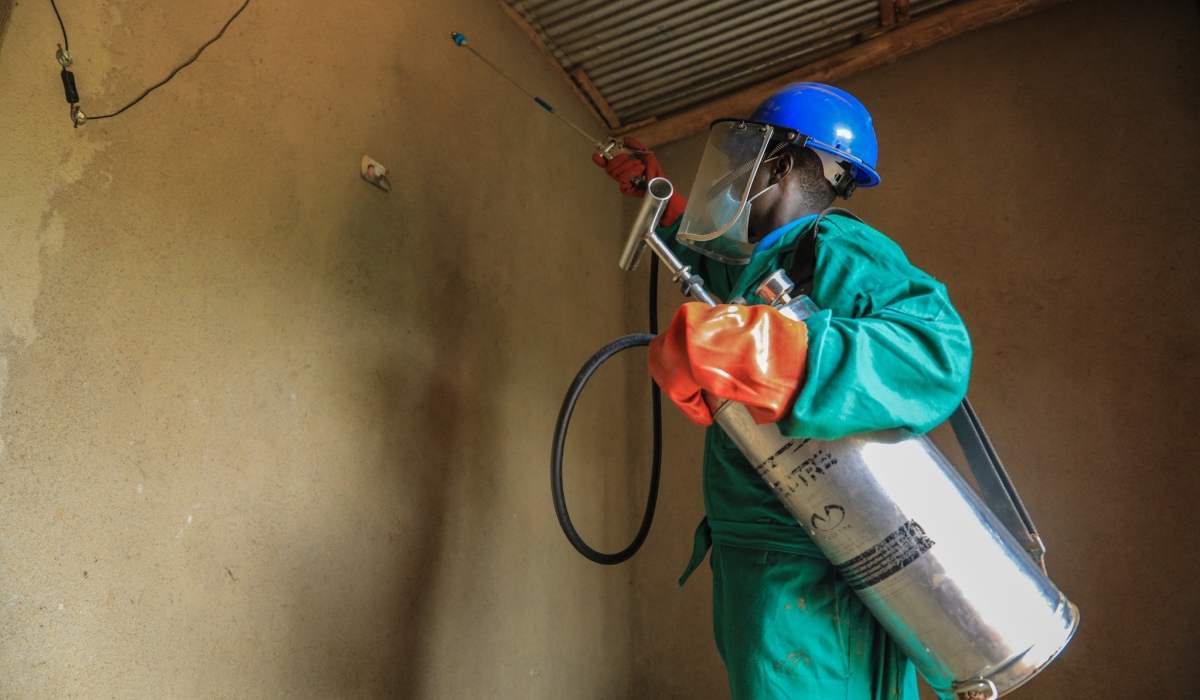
[958, 581]
[607, 149]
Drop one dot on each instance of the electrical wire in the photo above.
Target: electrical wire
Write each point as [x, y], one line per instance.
[66, 43]
[166, 80]
[187, 63]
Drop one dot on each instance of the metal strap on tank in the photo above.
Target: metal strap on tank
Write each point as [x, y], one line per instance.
[994, 485]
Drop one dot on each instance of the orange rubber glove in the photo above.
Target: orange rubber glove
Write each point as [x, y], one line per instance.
[626, 166]
[750, 354]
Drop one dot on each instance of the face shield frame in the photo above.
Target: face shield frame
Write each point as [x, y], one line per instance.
[731, 144]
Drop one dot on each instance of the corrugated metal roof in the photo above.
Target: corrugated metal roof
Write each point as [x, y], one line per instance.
[653, 58]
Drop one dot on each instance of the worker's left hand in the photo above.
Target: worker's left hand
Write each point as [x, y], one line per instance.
[750, 354]
[626, 166]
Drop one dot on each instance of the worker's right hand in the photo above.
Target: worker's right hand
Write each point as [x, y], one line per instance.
[625, 167]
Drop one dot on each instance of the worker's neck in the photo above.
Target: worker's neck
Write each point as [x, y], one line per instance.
[784, 213]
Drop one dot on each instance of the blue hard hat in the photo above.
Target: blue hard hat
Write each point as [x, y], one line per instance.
[834, 121]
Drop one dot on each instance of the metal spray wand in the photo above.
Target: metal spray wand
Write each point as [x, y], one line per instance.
[607, 149]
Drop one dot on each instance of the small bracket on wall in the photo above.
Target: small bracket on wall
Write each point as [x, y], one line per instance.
[375, 173]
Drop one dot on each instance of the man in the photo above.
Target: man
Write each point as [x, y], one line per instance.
[887, 350]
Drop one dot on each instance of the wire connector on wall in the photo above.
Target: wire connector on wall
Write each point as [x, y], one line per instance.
[68, 80]
[63, 55]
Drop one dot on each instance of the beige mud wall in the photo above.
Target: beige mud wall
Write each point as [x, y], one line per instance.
[269, 432]
[1046, 171]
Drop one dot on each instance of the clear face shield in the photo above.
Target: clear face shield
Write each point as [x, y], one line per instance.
[716, 221]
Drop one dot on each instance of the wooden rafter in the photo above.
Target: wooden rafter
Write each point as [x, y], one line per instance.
[589, 87]
[904, 39]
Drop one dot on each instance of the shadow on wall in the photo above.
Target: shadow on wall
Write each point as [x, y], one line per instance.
[434, 441]
[5, 14]
[372, 626]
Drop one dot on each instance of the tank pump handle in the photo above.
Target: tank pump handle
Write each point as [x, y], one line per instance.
[642, 235]
[658, 193]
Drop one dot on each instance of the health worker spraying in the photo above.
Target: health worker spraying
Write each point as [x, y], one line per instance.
[818, 479]
[817, 381]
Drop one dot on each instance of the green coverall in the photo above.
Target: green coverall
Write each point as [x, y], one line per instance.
[887, 350]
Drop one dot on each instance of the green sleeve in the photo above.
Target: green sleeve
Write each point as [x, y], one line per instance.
[887, 351]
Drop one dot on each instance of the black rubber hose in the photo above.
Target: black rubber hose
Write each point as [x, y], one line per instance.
[564, 421]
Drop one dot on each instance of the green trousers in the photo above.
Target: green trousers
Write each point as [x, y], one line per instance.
[788, 627]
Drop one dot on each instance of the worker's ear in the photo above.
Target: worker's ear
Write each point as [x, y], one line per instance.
[782, 167]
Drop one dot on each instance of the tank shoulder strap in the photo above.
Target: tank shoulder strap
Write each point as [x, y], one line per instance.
[840, 212]
[804, 257]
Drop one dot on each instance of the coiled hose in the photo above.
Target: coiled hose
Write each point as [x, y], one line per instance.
[564, 421]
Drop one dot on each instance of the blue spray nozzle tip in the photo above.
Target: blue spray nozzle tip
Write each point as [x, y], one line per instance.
[459, 39]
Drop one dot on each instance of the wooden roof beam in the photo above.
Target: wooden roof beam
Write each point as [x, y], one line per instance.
[904, 39]
[614, 122]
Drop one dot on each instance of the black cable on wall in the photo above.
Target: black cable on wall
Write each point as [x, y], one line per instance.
[65, 60]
